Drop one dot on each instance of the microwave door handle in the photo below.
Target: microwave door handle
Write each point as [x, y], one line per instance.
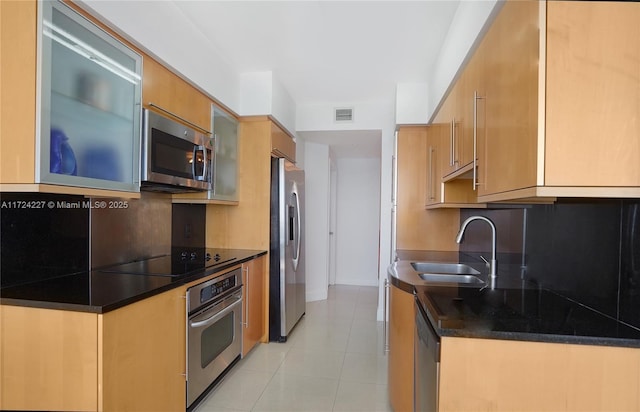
[194, 158]
[196, 149]
[205, 164]
[214, 155]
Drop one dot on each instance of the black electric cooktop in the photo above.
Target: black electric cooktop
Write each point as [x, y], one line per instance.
[181, 261]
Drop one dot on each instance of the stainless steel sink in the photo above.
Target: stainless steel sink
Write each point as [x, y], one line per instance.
[447, 273]
[444, 268]
[437, 277]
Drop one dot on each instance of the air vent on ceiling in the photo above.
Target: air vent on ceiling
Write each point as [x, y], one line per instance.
[343, 114]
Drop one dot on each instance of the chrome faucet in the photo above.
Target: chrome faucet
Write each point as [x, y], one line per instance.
[493, 266]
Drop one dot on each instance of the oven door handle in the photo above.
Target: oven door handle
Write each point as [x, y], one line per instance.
[219, 310]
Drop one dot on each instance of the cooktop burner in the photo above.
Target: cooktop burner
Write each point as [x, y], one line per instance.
[179, 263]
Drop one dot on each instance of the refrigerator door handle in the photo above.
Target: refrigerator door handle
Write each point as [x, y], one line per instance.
[296, 234]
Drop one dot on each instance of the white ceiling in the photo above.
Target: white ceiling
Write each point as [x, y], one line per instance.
[328, 51]
[331, 52]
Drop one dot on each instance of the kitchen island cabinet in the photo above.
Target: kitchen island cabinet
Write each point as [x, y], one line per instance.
[502, 375]
[401, 341]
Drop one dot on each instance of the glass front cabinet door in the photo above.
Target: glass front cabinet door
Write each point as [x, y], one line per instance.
[90, 104]
[225, 133]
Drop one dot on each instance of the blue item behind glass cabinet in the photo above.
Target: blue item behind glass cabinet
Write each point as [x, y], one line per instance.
[63, 161]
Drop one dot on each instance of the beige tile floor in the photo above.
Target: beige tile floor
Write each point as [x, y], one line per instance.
[331, 362]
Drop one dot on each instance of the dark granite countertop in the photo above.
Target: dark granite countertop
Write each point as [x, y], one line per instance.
[513, 310]
[101, 292]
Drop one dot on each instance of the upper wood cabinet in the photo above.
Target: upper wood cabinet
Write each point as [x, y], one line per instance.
[80, 133]
[434, 158]
[509, 100]
[282, 145]
[167, 93]
[18, 60]
[225, 169]
[592, 135]
[553, 94]
[418, 158]
[246, 226]
[456, 120]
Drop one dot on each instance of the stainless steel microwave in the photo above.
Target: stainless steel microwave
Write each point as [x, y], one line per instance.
[175, 158]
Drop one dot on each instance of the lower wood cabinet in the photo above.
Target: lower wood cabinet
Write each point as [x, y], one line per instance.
[501, 375]
[130, 359]
[142, 354]
[254, 315]
[48, 359]
[401, 357]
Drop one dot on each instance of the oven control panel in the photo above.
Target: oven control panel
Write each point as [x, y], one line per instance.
[218, 288]
[213, 289]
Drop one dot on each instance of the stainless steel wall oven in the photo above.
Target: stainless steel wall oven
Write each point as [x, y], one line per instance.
[214, 332]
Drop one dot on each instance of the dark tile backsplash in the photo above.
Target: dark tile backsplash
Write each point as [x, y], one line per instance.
[140, 230]
[587, 250]
[574, 249]
[42, 236]
[188, 224]
[62, 234]
[509, 229]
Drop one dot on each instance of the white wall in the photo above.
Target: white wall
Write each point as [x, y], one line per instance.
[358, 221]
[412, 103]
[471, 18]
[169, 37]
[374, 115]
[256, 90]
[317, 178]
[261, 93]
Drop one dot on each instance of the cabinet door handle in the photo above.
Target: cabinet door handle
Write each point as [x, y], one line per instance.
[451, 145]
[246, 307]
[476, 97]
[432, 191]
[455, 143]
[385, 336]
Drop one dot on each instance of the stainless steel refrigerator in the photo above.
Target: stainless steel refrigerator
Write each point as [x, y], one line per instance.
[286, 267]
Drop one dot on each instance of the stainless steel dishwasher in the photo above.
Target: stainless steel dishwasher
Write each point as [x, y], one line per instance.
[427, 364]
